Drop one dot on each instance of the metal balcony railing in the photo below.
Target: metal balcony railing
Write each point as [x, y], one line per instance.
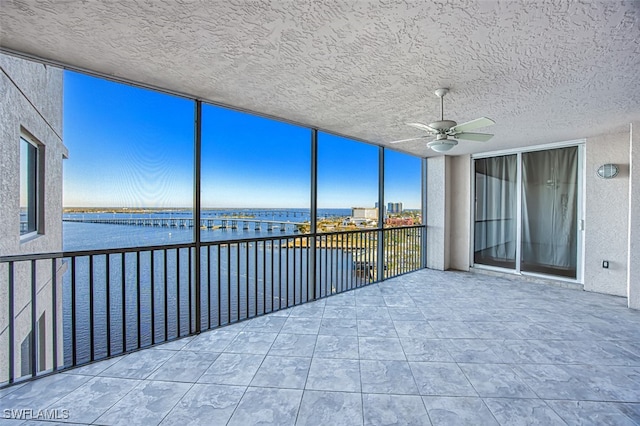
[96, 304]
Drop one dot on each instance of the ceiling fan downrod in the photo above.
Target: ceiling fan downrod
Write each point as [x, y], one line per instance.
[440, 93]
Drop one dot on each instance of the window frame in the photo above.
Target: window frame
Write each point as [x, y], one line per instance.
[37, 195]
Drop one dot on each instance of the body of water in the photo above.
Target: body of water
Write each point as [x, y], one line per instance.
[93, 236]
[238, 280]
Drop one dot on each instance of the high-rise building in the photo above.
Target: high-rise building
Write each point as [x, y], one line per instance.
[393, 208]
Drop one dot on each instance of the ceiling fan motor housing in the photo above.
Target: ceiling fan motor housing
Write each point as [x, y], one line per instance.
[441, 92]
[442, 125]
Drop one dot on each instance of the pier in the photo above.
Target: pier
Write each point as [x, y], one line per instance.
[208, 223]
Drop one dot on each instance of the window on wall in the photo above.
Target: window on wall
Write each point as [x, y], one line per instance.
[29, 187]
[402, 189]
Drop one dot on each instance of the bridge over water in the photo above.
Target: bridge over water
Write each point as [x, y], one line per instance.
[255, 212]
[273, 213]
[206, 223]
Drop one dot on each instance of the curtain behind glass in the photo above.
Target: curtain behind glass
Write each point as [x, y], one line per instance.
[549, 207]
[495, 236]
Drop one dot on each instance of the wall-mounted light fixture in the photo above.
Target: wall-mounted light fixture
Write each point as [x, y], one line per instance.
[608, 171]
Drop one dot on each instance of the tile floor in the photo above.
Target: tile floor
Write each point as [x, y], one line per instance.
[441, 348]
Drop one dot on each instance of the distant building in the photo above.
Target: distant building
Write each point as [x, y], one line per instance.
[394, 208]
[359, 222]
[399, 221]
[31, 154]
[364, 213]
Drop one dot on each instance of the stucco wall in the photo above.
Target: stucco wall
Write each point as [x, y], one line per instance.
[612, 216]
[438, 207]
[31, 101]
[38, 116]
[606, 215]
[460, 212]
[633, 271]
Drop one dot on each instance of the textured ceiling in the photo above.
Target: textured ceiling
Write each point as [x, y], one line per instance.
[545, 71]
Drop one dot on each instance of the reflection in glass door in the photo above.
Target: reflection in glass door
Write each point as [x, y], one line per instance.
[549, 211]
[527, 210]
[495, 232]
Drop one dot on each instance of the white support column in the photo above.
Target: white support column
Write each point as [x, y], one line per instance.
[633, 263]
[438, 213]
[460, 212]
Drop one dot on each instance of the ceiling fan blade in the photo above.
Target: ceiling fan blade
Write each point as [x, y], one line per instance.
[422, 127]
[470, 125]
[478, 137]
[410, 139]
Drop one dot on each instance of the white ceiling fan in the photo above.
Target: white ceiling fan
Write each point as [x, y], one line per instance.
[447, 131]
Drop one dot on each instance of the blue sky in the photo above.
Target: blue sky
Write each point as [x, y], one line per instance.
[131, 147]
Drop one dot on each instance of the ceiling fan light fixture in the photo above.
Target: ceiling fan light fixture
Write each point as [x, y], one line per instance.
[443, 145]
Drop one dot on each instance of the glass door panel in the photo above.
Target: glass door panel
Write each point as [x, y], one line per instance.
[495, 234]
[549, 212]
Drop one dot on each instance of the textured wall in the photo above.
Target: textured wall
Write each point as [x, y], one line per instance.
[633, 279]
[438, 207]
[612, 213]
[460, 212]
[548, 71]
[41, 85]
[606, 215]
[31, 99]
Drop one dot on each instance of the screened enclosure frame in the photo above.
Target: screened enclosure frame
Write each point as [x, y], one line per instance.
[313, 194]
[580, 209]
[196, 255]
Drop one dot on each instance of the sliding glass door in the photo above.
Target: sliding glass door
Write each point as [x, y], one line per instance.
[496, 208]
[549, 211]
[527, 211]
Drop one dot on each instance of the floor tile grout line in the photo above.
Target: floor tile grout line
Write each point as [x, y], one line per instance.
[616, 406]
[120, 399]
[424, 404]
[177, 402]
[361, 402]
[484, 403]
[68, 393]
[141, 382]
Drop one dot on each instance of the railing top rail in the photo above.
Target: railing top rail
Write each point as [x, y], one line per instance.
[79, 253]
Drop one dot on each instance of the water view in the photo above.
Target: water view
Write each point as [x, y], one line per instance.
[253, 260]
[82, 233]
[238, 279]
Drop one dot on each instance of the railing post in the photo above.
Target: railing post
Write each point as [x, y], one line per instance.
[197, 213]
[380, 257]
[34, 319]
[12, 348]
[74, 337]
[313, 214]
[54, 313]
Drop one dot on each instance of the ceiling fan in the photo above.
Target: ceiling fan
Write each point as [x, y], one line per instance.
[447, 131]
